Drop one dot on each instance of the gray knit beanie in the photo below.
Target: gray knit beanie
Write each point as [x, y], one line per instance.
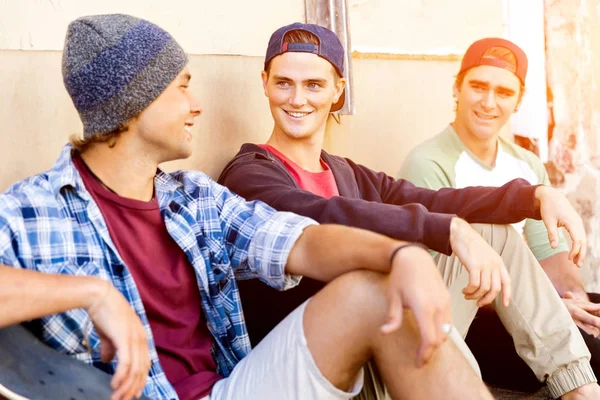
[114, 66]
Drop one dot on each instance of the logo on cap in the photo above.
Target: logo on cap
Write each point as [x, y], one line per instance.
[475, 56]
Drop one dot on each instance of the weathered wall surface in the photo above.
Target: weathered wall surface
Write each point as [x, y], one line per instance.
[573, 49]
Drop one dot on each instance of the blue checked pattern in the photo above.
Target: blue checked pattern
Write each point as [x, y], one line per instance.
[50, 223]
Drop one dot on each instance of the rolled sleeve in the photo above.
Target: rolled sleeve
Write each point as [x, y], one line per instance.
[271, 246]
[259, 238]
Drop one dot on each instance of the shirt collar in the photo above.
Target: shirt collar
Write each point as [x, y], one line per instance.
[64, 173]
[165, 186]
[457, 140]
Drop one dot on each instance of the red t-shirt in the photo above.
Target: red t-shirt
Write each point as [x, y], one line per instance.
[320, 183]
[167, 285]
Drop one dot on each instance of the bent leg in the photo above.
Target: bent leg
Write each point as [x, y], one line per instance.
[544, 334]
[494, 349]
[593, 343]
[282, 367]
[319, 350]
[342, 328]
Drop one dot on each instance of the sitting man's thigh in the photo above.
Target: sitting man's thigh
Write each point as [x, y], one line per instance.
[281, 367]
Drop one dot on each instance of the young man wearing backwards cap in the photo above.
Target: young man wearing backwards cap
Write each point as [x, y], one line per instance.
[170, 244]
[470, 152]
[303, 81]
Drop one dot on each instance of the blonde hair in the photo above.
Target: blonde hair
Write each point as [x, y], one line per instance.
[82, 144]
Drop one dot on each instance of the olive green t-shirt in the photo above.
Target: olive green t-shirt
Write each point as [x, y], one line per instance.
[444, 161]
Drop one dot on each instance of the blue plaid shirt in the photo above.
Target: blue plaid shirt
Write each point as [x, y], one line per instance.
[50, 223]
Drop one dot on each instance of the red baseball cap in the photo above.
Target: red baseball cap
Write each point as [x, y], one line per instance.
[474, 57]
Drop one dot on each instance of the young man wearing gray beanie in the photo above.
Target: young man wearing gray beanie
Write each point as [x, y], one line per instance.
[171, 244]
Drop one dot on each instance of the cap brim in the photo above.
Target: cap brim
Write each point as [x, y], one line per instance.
[340, 103]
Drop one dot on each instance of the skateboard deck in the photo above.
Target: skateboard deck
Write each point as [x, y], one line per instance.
[29, 369]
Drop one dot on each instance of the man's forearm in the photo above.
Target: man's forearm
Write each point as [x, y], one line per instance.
[324, 252]
[26, 295]
[563, 274]
[510, 203]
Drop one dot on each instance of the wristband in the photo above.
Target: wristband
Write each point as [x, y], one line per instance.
[402, 246]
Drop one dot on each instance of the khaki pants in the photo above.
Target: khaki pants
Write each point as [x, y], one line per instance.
[545, 336]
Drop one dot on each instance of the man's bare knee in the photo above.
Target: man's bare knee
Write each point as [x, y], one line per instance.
[358, 293]
[359, 299]
[341, 321]
[342, 325]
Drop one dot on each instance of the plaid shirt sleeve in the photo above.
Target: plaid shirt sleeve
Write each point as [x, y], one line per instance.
[258, 238]
[9, 213]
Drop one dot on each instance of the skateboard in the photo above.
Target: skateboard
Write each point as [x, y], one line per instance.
[29, 369]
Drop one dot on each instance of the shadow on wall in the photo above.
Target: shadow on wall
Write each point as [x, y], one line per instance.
[235, 110]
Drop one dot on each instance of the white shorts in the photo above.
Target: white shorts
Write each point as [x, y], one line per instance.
[281, 368]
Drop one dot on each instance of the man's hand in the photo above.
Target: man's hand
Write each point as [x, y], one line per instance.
[27, 295]
[556, 212]
[567, 282]
[121, 332]
[585, 314]
[487, 273]
[416, 284]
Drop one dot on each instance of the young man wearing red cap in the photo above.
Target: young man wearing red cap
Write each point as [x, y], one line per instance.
[470, 152]
[303, 80]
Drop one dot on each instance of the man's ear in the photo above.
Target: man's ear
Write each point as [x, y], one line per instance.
[265, 77]
[455, 90]
[340, 85]
[519, 102]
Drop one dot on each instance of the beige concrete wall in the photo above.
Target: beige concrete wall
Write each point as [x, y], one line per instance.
[243, 27]
[201, 27]
[423, 26]
[399, 102]
[37, 115]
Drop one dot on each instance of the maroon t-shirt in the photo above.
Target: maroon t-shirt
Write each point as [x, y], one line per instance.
[167, 285]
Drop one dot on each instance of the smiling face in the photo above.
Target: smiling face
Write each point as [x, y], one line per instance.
[486, 99]
[163, 129]
[301, 88]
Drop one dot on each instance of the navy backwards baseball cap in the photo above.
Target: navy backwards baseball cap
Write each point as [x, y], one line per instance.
[330, 48]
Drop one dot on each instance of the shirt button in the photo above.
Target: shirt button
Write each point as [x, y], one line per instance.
[217, 271]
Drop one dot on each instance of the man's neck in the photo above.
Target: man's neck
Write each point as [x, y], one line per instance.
[128, 175]
[306, 153]
[485, 150]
